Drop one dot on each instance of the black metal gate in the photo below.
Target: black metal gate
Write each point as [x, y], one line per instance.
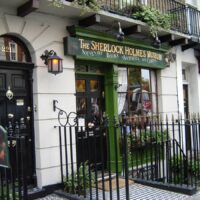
[144, 149]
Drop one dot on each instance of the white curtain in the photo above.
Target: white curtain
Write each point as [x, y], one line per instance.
[122, 89]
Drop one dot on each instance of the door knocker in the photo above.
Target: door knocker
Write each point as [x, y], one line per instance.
[9, 93]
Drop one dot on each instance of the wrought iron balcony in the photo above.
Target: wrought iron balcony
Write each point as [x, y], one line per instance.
[184, 18]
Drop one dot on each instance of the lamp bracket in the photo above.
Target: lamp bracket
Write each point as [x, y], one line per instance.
[46, 55]
[65, 119]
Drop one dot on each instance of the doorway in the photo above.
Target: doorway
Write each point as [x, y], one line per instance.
[16, 111]
[90, 104]
[186, 115]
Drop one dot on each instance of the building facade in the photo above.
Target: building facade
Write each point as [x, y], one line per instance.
[103, 74]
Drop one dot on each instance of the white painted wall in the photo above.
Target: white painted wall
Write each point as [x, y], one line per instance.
[41, 32]
[195, 3]
[189, 61]
[170, 84]
[167, 91]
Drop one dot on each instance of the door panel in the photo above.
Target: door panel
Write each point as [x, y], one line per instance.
[17, 110]
[89, 97]
[90, 107]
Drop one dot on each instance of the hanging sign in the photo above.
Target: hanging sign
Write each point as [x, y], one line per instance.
[113, 53]
[4, 154]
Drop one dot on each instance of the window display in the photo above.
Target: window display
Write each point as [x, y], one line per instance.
[137, 91]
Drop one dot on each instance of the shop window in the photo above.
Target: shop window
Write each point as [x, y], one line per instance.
[137, 91]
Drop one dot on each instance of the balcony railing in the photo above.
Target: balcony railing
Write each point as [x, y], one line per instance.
[184, 18]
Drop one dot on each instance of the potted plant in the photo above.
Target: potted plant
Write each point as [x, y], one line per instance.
[79, 182]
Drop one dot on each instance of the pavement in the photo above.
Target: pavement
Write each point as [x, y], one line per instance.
[138, 192]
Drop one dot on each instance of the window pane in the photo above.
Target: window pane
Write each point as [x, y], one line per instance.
[141, 96]
[122, 89]
[146, 103]
[122, 103]
[80, 85]
[94, 85]
[145, 80]
[134, 78]
[81, 106]
[95, 103]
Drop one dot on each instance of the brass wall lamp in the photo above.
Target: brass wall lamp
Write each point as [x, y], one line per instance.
[54, 62]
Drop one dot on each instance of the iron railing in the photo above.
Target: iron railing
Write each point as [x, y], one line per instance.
[13, 180]
[103, 160]
[184, 18]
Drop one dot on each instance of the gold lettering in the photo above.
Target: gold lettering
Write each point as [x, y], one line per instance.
[154, 55]
[84, 45]
[3, 49]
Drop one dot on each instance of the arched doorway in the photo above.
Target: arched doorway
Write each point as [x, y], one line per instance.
[16, 110]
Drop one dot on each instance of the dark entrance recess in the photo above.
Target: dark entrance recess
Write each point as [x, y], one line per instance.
[90, 110]
[16, 111]
[186, 114]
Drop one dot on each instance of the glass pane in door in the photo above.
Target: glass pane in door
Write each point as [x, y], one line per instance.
[94, 85]
[81, 106]
[80, 85]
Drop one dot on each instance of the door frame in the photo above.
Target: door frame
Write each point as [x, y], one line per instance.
[28, 67]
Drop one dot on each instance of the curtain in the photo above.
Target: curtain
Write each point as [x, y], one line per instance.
[122, 89]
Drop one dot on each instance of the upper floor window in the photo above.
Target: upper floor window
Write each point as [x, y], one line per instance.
[13, 50]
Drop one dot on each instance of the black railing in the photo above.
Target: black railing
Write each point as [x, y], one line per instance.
[13, 180]
[184, 18]
[103, 160]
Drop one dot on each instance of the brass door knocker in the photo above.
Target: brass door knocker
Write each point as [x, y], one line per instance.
[9, 93]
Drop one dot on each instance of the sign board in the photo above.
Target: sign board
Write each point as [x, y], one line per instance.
[4, 154]
[118, 53]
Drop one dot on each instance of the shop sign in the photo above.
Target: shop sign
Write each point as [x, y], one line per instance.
[113, 53]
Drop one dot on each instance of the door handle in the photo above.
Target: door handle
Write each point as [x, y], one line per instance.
[10, 115]
[29, 109]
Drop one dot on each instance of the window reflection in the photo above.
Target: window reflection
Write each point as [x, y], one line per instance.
[94, 85]
[139, 98]
[80, 85]
[95, 104]
[81, 106]
[145, 76]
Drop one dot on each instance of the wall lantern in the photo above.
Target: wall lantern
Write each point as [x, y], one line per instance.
[53, 62]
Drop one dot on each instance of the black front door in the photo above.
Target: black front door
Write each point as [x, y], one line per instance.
[90, 109]
[16, 111]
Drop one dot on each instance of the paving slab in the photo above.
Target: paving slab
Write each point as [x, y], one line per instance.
[137, 192]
